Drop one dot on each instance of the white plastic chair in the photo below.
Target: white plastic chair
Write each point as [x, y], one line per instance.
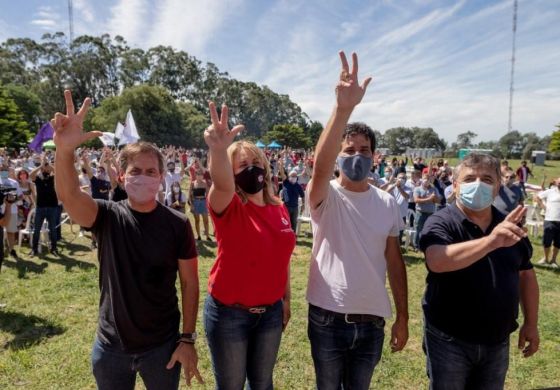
[409, 231]
[28, 231]
[304, 217]
[534, 220]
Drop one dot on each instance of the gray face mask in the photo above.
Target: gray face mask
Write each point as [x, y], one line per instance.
[355, 167]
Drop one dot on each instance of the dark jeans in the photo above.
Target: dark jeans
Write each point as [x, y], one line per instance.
[116, 370]
[456, 365]
[344, 354]
[50, 214]
[420, 221]
[293, 211]
[243, 345]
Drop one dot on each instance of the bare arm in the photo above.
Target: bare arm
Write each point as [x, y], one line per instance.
[529, 295]
[348, 95]
[218, 137]
[396, 272]
[453, 257]
[68, 136]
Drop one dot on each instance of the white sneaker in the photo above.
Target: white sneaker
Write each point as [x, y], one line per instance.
[542, 261]
[554, 265]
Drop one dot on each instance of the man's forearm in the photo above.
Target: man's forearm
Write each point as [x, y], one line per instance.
[329, 143]
[529, 296]
[66, 177]
[447, 258]
[396, 272]
[189, 298]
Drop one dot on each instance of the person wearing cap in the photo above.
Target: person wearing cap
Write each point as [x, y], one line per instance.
[291, 193]
[355, 249]
[479, 272]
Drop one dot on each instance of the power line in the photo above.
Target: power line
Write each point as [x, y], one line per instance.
[512, 64]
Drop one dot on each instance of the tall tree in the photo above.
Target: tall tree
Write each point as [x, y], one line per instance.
[13, 128]
[465, 140]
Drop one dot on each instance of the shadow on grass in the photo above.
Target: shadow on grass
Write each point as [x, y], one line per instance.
[27, 329]
[411, 257]
[307, 242]
[24, 266]
[547, 268]
[68, 262]
[206, 248]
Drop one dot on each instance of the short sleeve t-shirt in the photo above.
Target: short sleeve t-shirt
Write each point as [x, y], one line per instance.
[421, 192]
[479, 303]
[138, 262]
[552, 200]
[508, 198]
[100, 189]
[348, 265]
[46, 194]
[255, 244]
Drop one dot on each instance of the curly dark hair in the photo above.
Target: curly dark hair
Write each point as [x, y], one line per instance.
[360, 128]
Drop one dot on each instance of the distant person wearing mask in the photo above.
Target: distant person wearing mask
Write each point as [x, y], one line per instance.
[510, 194]
[290, 194]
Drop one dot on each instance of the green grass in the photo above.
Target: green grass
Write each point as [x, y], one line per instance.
[48, 325]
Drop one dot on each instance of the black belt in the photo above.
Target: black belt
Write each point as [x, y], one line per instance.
[251, 309]
[351, 318]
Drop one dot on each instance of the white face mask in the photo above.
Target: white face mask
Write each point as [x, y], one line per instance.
[292, 180]
[176, 190]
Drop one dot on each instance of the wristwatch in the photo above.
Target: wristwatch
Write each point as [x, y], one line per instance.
[188, 338]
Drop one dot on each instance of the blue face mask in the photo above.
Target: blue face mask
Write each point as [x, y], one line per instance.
[4, 174]
[476, 196]
[355, 168]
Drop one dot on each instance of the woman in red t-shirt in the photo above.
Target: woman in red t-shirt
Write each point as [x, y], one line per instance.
[248, 303]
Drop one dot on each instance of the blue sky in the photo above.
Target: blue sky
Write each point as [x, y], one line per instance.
[443, 64]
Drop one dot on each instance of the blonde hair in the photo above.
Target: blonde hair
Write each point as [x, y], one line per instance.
[268, 189]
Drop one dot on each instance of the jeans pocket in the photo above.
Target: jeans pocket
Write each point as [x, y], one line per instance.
[319, 317]
[438, 334]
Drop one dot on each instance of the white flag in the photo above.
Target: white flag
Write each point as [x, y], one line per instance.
[119, 130]
[108, 139]
[130, 133]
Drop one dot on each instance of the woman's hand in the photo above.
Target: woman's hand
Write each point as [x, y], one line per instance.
[218, 136]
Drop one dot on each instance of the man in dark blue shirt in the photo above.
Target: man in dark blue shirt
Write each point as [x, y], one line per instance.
[291, 192]
[479, 270]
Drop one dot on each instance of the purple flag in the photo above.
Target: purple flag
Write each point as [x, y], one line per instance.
[45, 133]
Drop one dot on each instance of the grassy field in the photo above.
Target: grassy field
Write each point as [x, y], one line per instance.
[48, 324]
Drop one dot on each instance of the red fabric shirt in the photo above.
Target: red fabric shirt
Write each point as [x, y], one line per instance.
[254, 248]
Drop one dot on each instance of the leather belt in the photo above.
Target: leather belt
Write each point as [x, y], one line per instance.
[251, 309]
[352, 318]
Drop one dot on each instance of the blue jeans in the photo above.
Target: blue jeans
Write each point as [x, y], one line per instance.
[420, 221]
[344, 354]
[243, 345]
[456, 365]
[50, 214]
[116, 370]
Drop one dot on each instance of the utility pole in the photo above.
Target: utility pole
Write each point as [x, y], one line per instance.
[71, 20]
[512, 64]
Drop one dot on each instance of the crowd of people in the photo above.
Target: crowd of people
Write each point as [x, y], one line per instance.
[468, 222]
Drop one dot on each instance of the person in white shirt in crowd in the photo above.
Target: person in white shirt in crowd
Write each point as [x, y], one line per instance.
[549, 200]
[402, 193]
[355, 245]
[426, 197]
[172, 176]
[12, 196]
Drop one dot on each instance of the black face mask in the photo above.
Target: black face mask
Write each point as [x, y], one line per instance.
[250, 180]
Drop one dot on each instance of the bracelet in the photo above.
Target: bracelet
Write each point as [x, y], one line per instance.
[184, 341]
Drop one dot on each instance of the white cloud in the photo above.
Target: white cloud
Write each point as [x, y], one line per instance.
[85, 10]
[128, 19]
[46, 18]
[190, 25]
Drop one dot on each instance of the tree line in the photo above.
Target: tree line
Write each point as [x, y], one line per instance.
[167, 90]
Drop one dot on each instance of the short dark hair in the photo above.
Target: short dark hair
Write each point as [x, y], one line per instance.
[479, 160]
[360, 128]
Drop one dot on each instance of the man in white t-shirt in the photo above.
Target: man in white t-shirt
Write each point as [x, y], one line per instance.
[355, 243]
[402, 192]
[549, 200]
